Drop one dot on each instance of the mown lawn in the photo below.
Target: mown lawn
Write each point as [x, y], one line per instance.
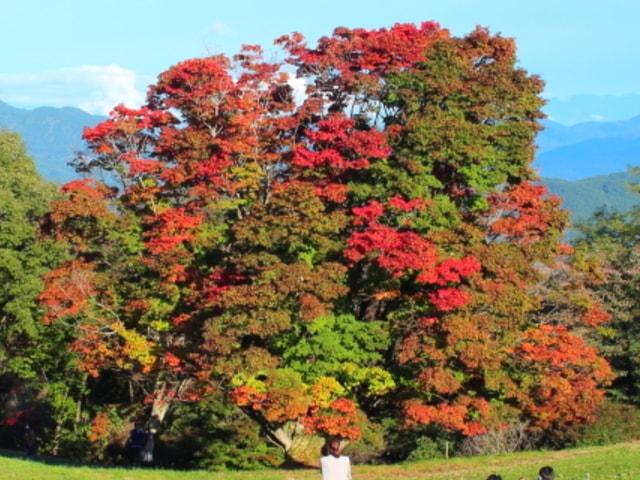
[618, 462]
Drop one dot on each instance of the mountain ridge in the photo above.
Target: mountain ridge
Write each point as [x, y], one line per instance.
[52, 135]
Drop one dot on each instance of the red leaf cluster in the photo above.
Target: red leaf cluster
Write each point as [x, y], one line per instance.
[170, 229]
[447, 299]
[67, 290]
[457, 417]
[525, 212]
[595, 315]
[359, 54]
[338, 420]
[338, 146]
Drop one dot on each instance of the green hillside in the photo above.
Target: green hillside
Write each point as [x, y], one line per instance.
[620, 462]
[583, 197]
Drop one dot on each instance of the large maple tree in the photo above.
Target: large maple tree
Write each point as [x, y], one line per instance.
[374, 245]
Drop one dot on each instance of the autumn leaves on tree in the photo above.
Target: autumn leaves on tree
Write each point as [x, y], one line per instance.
[375, 247]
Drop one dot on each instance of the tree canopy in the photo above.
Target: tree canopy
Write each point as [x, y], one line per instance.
[374, 249]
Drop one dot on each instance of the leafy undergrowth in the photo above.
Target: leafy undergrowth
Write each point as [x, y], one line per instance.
[620, 462]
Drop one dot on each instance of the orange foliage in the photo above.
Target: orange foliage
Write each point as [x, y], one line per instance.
[67, 290]
[100, 426]
[525, 213]
[567, 376]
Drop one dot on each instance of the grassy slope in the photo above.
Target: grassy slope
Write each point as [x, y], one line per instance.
[620, 462]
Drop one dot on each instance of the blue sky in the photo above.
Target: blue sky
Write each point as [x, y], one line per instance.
[93, 54]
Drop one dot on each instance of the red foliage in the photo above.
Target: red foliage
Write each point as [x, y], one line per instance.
[426, 322]
[395, 251]
[338, 146]
[138, 165]
[217, 283]
[595, 315]
[87, 188]
[246, 396]
[403, 205]
[117, 134]
[454, 269]
[171, 228]
[195, 86]
[100, 426]
[359, 54]
[338, 420]
[333, 192]
[67, 290]
[525, 212]
[449, 416]
[401, 251]
[172, 361]
[368, 213]
[447, 299]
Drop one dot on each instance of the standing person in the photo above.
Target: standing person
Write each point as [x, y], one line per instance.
[334, 465]
[135, 443]
[146, 455]
[546, 473]
[30, 441]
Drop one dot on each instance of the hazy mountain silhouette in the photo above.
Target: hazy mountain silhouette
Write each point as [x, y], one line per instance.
[588, 149]
[52, 135]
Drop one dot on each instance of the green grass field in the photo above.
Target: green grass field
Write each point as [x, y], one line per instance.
[618, 462]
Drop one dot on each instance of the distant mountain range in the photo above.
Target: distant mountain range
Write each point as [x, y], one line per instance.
[585, 163]
[52, 135]
[582, 197]
[588, 149]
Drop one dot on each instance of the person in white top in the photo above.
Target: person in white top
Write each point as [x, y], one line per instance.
[334, 465]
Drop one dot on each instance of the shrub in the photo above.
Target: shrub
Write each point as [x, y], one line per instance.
[427, 448]
[616, 422]
[513, 438]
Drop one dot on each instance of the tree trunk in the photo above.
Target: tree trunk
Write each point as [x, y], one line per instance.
[306, 450]
[299, 447]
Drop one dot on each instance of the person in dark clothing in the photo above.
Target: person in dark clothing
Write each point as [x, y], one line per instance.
[494, 476]
[30, 441]
[546, 473]
[136, 443]
[146, 455]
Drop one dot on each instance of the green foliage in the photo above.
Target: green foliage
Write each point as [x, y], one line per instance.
[215, 435]
[426, 449]
[371, 447]
[34, 357]
[24, 199]
[332, 344]
[610, 242]
[616, 423]
[452, 136]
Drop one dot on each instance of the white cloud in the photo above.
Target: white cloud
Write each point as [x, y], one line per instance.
[597, 118]
[94, 88]
[220, 28]
[299, 87]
